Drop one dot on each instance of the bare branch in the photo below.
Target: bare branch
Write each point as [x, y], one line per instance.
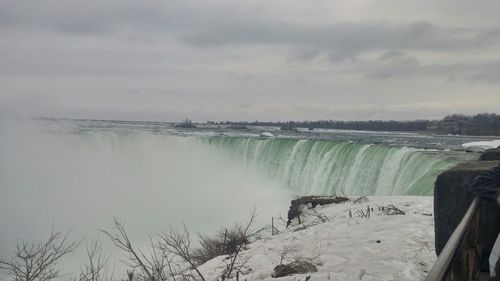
[320, 218]
[38, 261]
[122, 241]
[178, 242]
[286, 252]
[97, 267]
[245, 232]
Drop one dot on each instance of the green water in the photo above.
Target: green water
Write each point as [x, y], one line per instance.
[340, 168]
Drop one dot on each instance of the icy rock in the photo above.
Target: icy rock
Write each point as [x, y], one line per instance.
[480, 146]
[296, 204]
[298, 267]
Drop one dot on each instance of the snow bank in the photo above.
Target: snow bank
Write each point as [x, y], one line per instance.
[379, 247]
[480, 146]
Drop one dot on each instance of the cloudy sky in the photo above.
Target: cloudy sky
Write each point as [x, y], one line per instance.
[249, 60]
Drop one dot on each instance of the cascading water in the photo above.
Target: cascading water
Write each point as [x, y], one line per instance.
[78, 175]
[340, 168]
[80, 179]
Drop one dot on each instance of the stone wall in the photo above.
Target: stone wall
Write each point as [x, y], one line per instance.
[452, 199]
[490, 154]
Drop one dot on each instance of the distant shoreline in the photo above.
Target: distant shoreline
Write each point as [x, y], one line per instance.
[445, 127]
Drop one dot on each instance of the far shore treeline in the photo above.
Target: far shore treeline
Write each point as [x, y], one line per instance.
[478, 124]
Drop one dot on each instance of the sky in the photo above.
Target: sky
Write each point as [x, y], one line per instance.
[166, 60]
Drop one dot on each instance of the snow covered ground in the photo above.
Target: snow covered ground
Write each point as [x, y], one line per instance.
[379, 247]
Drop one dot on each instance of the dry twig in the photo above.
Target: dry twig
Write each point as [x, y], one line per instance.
[38, 261]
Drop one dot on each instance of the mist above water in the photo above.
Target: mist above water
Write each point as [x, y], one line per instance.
[80, 181]
[80, 174]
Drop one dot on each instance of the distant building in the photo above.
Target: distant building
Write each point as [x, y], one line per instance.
[432, 126]
[450, 126]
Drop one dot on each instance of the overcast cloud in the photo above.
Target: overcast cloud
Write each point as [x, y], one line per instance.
[249, 60]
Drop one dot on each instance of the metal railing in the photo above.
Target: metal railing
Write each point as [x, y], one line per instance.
[459, 259]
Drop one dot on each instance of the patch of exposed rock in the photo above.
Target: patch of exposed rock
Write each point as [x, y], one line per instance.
[297, 267]
[313, 201]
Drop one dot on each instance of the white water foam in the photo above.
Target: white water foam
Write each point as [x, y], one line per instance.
[342, 168]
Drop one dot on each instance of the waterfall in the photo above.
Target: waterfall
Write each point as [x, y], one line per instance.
[340, 168]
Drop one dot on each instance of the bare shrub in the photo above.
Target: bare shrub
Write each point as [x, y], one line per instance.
[278, 222]
[172, 257]
[209, 248]
[391, 210]
[361, 200]
[361, 213]
[177, 242]
[319, 217]
[287, 252]
[97, 267]
[225, 242]
[235, 263]
[38, 261]
[153, 268]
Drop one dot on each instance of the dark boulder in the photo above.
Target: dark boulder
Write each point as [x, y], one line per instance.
[297, 267]
[294, 210]
[490, 154]
[452, 199]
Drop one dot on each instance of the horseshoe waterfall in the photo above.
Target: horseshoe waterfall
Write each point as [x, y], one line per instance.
[339, 168]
